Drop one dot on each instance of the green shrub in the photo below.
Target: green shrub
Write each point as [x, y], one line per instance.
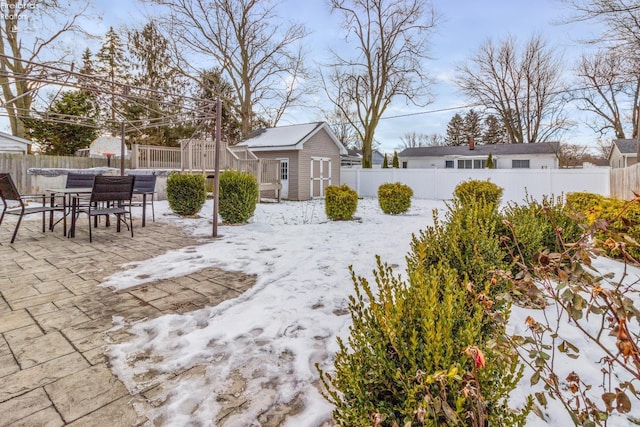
[583, 201]
[473, 191]
[405, 357]
[394, 198]
[468, 241]
[186, 193]
[341, 202]
[536, 227]
[238, 196]
[619, 221]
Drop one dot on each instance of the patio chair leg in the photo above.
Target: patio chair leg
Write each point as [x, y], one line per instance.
[15, 232]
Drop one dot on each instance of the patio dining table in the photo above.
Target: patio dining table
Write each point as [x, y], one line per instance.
[69, 198]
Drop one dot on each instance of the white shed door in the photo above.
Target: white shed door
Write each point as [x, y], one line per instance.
[284, 178]
[320, 175]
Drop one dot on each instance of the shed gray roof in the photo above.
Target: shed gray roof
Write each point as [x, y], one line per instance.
[290, 137]
[482, 150]
[627, 146]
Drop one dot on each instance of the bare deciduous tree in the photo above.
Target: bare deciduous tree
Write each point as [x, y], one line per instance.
[522, 87]
[259, 55]
[621, 19]
[415, 139]
[343, 130]
[30, 30]
[607, 83]
[391, 44]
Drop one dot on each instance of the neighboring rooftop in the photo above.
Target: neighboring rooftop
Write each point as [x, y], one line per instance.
[627, 146]
[482, 150]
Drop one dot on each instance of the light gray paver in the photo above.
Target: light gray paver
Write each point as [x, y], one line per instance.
[85, 391]
[56, 322]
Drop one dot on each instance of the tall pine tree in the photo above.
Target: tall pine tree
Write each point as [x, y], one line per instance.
[151, 62]
[456, 133]
[473, 126]
[112, 65]
[494, 131]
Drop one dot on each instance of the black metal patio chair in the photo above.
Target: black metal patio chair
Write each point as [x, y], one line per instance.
[79, 180]
[23, 204]
[144, 186]
[111, 195]
[74, 180]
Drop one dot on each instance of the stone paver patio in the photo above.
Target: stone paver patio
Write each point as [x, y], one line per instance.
[55, 320]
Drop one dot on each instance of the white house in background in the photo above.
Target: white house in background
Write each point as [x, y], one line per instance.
[540, 155]
[309, 157]
[354, 158]
[13, 144]
[623, 153]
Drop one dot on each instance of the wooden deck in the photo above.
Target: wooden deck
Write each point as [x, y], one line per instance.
[198, 156]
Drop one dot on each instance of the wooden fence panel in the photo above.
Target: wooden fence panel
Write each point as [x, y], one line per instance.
[19, 164]
[625, 181]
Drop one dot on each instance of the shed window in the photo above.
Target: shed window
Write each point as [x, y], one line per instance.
[520, 164]
[448, 164]
[404, 165]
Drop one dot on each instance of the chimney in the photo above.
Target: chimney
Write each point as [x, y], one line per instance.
[472, 144]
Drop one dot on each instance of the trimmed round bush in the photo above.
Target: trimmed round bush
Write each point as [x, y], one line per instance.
[583, 201]
[238, 196]
[475, 190]
[341, 202]
[186, 193]
[394, 198]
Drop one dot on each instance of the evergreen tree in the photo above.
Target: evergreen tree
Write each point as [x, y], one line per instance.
[151, 62]
[473, 126]
[87, 71]
[112, 65]
[489, 164]
[385, 162]
[456, 134]
[64, 139]
[212, 85]
[396, 161]
[494, 131]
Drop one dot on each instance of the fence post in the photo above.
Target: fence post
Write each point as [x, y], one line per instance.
[134, 156]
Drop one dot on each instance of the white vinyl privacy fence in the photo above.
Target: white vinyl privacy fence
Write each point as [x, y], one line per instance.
[438, 184]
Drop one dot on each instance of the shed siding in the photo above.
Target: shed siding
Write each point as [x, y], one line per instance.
[617, 159]
[319, 145]
[292, 155]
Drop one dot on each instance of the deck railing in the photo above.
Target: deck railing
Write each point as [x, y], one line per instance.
[198, 155]
[155, 157]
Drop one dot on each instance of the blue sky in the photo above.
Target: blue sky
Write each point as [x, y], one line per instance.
[464, 26]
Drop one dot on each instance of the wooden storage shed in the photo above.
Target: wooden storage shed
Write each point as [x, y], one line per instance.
[309, 157]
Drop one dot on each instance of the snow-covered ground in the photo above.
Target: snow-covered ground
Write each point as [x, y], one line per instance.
[275, 333]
